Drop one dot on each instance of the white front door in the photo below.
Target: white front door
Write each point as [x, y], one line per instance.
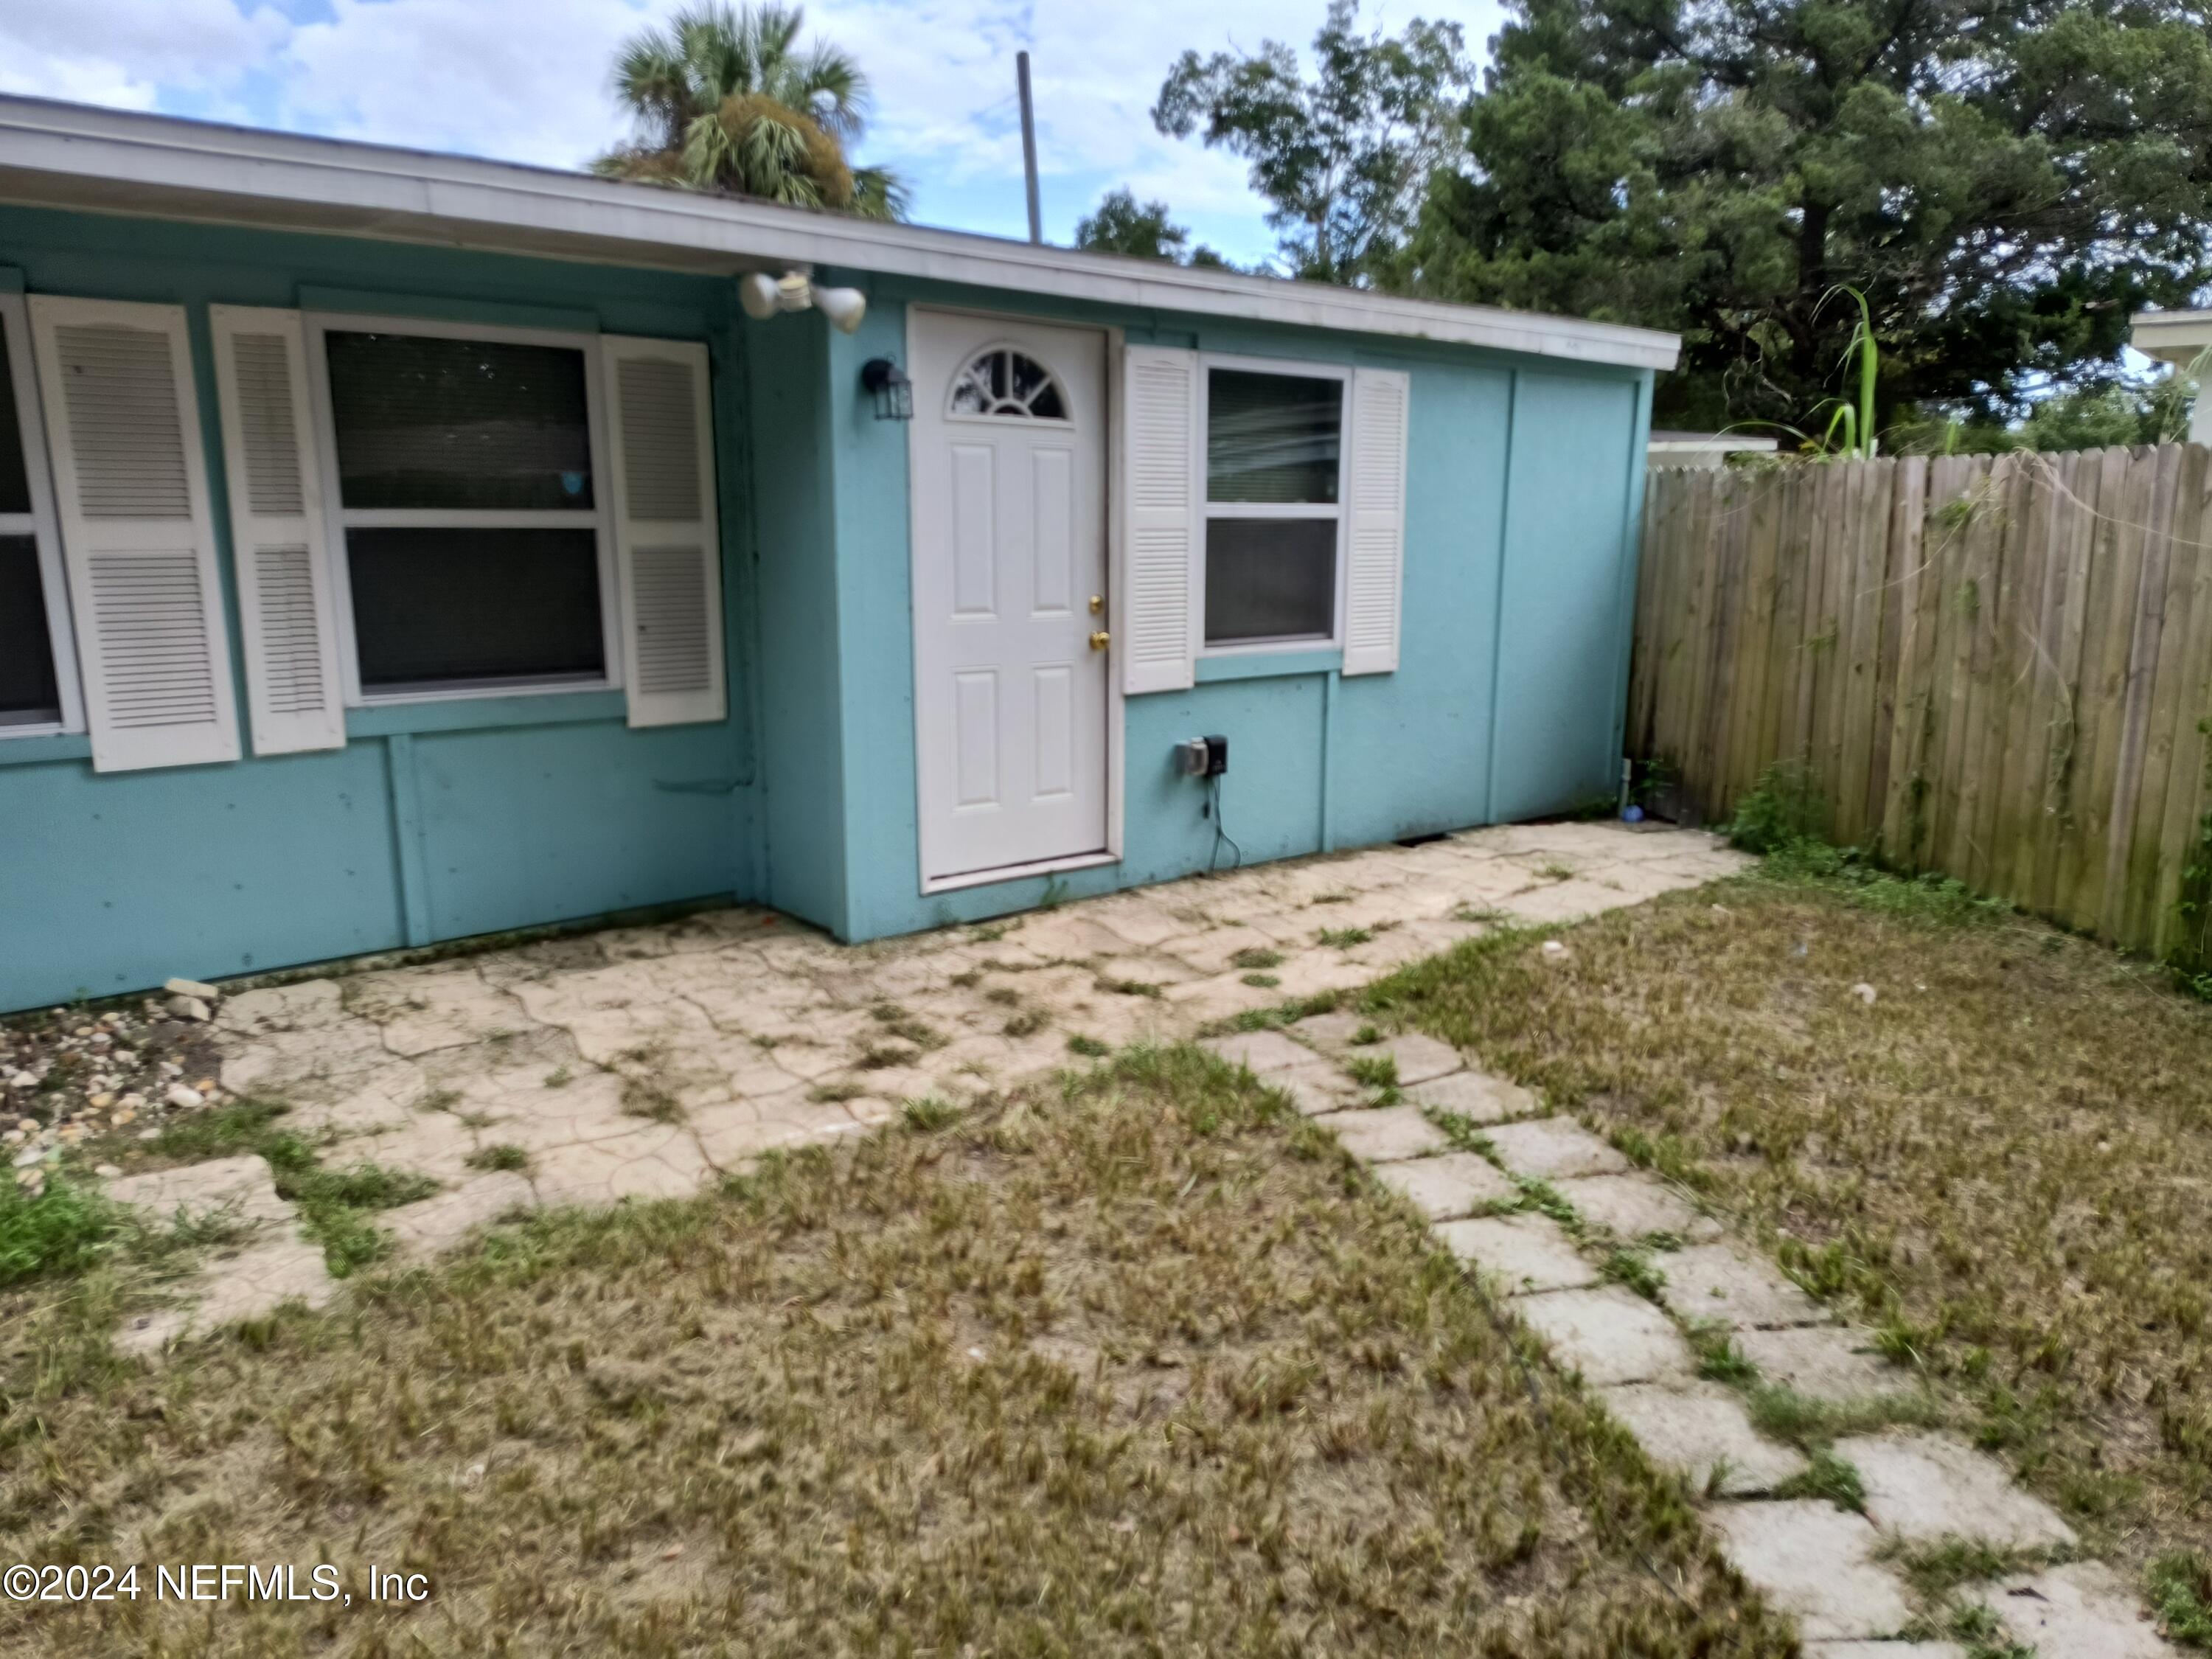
[1009, 461]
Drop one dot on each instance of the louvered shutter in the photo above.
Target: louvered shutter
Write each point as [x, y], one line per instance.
[1374, 572]
[280, 540]
[665, 541]
[1161, 517]
[137, 531]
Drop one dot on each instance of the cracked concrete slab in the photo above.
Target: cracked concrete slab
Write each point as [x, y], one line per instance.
[2080, 1610]
[1385, 1134]
[241, 1190]
[1821, 1362]
[1816, 1563]
[1926, 1487]
[1448, 1186]
[1522, 1255]
[1553, 1148]
[1701, 1429]
[1475, 1095]
[1633, 1206]
[1609, 1335]
[1720, 1281]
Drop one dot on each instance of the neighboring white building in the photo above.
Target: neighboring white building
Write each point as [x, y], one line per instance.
[2179, 338]
[1704, 448]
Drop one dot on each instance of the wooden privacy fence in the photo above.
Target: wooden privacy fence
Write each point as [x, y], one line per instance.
[1990, 667]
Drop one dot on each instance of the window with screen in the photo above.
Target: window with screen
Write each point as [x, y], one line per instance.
[30, 684]
[1274, 447]
[470, 511]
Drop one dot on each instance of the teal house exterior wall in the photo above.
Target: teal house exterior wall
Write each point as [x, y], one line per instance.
[445, 820]
[1523, 481]
[437, 820]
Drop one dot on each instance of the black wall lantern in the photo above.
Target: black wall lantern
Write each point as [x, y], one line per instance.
[888, 385]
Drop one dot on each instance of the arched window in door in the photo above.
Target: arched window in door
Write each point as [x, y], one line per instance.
[1007, 384]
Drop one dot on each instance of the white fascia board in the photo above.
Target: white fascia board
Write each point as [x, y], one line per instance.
[2172, 336]
[120, 161]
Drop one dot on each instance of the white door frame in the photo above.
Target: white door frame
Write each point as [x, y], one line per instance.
[1110, 495]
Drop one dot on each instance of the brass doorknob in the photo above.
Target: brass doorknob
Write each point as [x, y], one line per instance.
[1100, 639]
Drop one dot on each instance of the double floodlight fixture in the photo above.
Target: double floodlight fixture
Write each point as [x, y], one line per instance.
[762, 296]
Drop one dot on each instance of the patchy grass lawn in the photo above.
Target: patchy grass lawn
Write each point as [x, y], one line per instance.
[1142, 1367]
[2003, 1163]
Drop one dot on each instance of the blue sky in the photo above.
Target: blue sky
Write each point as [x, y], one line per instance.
[526, 81]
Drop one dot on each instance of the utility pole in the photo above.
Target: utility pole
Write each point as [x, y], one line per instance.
[1029, 146]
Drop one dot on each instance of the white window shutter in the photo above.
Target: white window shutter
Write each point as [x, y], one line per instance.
[666, 545]
[280, 540]
[1374, 572]
[1161, 517]
[123, 427]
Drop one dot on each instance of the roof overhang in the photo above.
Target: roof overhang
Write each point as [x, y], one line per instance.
[116, 161]
[2173, 337]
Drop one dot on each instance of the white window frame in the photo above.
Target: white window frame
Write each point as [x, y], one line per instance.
[1209, 509]
[42, 523]
[599, 516]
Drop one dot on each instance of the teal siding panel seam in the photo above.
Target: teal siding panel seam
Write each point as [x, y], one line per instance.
[1268, 665]
[476, 713]
[407, 837]
[1504, 557]
[1328, 690]
[444, 308]
[1632, 553]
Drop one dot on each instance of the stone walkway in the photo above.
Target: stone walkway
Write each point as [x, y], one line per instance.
[1538, 1206]
[644, 1062]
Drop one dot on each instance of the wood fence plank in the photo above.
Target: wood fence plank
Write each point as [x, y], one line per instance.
[2139, 811]
[2184, 789]
[1861, 652]
[2025, 679]
[1756, 620]
[2113, 588]
[1997, 544]
[2084, 477]
[1901, 767]
[1723, 637]
[1790, 583]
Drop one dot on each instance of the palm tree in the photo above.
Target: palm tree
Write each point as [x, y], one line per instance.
[725, 100]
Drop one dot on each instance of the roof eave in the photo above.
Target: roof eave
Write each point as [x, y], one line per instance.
[118, 161]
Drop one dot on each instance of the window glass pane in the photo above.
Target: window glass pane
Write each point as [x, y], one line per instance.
[446, 608]
[14, 483]
[28, 694]
[1271, 437]
[1270, 578]
[435, 424]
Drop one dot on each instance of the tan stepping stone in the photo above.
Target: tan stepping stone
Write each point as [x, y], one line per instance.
[1523, 1254]
[1821, 1362]
[1331, 1032]
[1259, 1052]
[732, 1135]
[236, 1188]
[1816, 1563]
[1450, 1186]
[1386, 1135]
[1316, 1087]
[421, 1011]
[308, 1006]
[1419, 1059]
[1609, 1335]
[1553, 1148]
[1885, 1650]
[1719, 1281]
[1633, 1206]
[437, 1223]
[1477, 1097]
[2080, 1610]
[247, 1284]
[653, 1161]
[1701, 1429]
[1927, 1487]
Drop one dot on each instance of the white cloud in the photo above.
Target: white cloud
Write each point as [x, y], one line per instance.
[526, 80]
